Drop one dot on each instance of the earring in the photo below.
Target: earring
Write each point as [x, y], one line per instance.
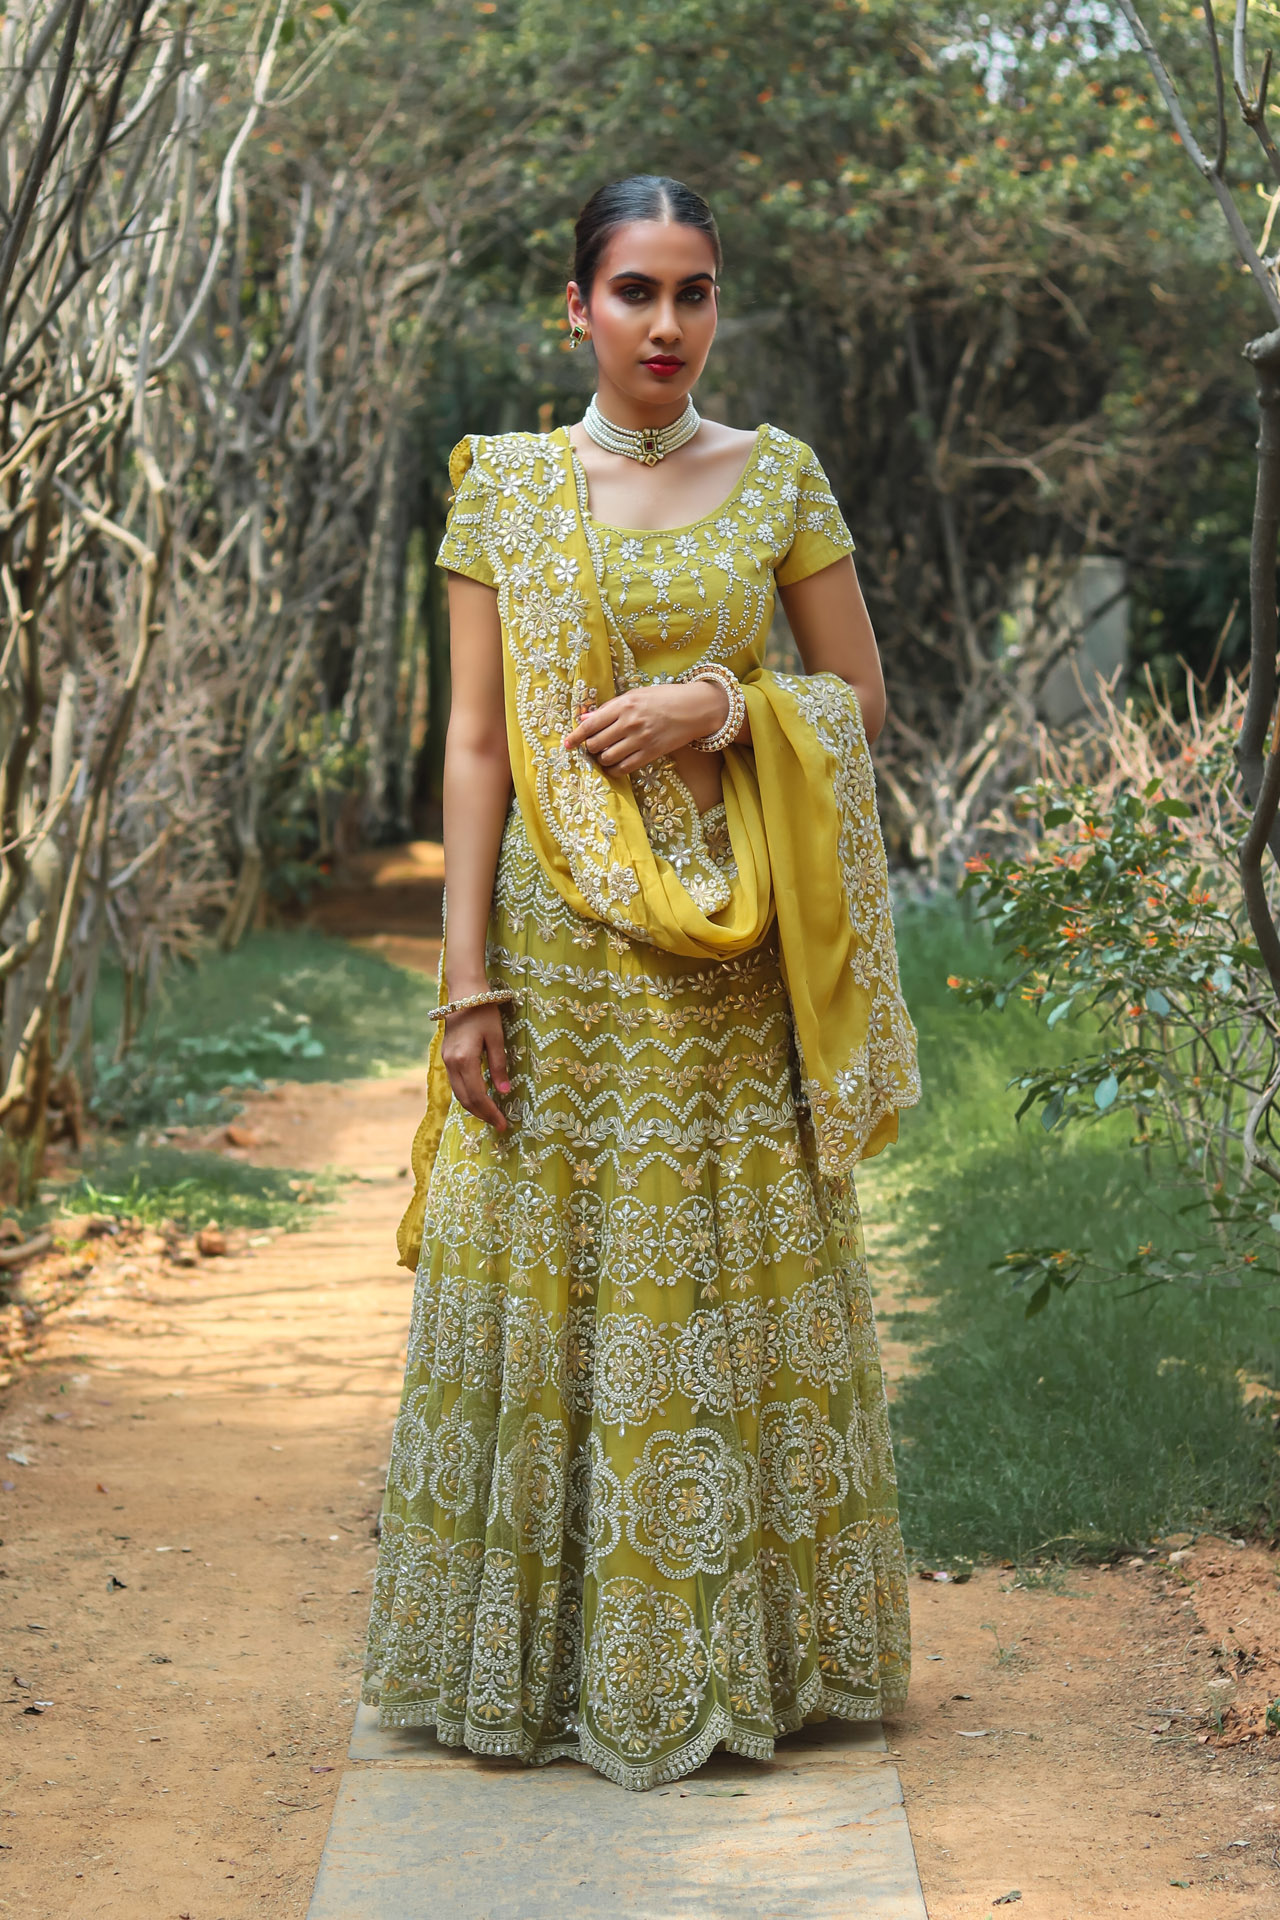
[577, 335]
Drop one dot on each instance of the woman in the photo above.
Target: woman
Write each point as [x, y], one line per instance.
[641, 1497]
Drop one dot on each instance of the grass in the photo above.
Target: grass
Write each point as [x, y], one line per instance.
[154, 1184]
[295, 1006]
[1104, 1422]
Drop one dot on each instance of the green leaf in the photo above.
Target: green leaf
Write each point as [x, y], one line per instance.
[1156, 1002]
[1172, 809]
[1057, 816]
[1105, 1092]
[1052, 1113]
[1039, 1299]
[1060, 1012]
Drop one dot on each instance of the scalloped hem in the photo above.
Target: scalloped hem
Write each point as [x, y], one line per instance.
[720, 1731]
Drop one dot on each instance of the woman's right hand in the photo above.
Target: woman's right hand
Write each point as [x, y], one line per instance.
[471, 1039]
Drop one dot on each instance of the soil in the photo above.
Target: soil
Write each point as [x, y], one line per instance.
[1088, 1748]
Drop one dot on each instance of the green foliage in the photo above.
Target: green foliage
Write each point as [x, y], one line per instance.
[1101, 1426]
[1006, 191]
[156, 1184]
[295, 1006]
[1120, 918]
[308, 785]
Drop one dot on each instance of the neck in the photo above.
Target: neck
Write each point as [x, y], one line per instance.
[623, 411]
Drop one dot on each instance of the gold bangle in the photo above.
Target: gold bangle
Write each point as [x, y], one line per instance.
[492, 998]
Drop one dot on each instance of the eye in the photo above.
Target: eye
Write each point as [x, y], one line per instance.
[634, 293]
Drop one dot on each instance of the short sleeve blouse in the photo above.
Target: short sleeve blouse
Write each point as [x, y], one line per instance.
[796, 481]
[821, 536]
[462, 549]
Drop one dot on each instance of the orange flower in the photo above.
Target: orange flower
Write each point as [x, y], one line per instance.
[954, 980]
[976, 863]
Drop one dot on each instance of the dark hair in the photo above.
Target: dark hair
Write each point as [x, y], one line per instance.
[641, 196]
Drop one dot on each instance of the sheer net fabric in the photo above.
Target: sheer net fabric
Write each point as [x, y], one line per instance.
[641, 1499]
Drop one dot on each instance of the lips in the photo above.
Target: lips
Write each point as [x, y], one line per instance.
[664, 364]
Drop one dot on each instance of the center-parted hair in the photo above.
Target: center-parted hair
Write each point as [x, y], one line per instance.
[641, 196]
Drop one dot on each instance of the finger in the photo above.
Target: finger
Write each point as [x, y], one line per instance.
[478, 1100]
[591, 722]
[496, 1052]
[610, 740]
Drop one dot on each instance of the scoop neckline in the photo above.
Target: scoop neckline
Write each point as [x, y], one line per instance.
[655, 533]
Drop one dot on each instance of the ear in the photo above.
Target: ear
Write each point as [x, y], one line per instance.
[577, 306]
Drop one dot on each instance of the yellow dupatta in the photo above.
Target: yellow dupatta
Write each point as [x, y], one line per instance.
[800, 806]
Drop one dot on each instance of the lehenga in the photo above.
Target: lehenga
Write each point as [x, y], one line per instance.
[641, 1499]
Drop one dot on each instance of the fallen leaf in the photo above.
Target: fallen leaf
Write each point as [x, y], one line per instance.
[1007, 1899]
[962, 1696]
[115, 1586]
[101, 1489]
[37, 1706]
[977, 1733]
[19, 1459]
[322, 1769]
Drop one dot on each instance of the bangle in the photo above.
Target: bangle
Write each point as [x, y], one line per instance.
[491, 998]
[725, 735]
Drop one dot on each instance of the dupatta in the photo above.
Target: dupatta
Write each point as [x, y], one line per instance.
[800, 807]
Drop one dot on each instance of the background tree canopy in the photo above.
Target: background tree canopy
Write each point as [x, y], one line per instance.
[964, 258]
[302, 249]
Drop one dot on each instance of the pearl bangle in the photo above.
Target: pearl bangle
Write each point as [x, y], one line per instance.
[493, 997]
[725, 735]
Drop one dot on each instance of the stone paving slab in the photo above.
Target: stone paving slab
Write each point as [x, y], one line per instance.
[425, 1832]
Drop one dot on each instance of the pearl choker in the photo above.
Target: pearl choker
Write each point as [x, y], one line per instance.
[646, 444]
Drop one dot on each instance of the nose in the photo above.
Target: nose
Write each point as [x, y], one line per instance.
[665, 329]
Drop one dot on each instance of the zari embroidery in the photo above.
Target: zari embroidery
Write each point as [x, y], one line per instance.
[641, 1499]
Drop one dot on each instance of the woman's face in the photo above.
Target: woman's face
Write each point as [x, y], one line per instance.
[652, 311]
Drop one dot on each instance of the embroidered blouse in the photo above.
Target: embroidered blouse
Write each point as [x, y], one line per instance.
[705, 590]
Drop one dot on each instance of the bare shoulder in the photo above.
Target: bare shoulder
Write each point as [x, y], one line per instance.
[719, 438]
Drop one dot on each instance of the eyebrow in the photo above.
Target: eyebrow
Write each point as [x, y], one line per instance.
[650, 281]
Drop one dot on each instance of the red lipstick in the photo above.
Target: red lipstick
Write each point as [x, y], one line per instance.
[664, 365]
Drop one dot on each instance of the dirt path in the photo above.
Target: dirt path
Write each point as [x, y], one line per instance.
[214, 1440]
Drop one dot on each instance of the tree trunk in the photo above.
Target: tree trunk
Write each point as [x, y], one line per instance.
[369, 712]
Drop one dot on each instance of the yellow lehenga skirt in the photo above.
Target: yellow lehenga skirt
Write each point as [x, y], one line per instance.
[641, 1499]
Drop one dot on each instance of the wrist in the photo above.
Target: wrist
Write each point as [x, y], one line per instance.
[462, 982]
[707, 702]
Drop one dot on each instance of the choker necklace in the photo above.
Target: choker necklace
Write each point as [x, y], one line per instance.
[646, 444]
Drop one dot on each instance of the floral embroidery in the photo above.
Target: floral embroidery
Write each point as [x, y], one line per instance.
[689, 1500]
[641, 1498]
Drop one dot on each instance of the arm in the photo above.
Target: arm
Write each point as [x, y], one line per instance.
[477, 790]
[833, 633]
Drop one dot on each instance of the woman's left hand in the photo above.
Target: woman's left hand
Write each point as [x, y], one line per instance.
[634, 729]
